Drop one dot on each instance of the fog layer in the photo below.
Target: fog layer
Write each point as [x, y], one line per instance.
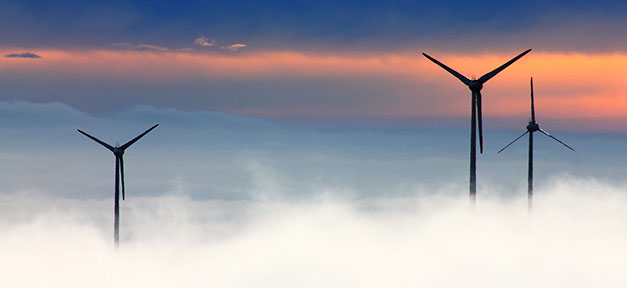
[575, 237]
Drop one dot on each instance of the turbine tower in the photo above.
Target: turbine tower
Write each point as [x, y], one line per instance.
[118, 151]
[532, 127]
[475, 86]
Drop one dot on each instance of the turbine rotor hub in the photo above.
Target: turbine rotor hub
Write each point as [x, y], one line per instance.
[475, 86]
[533, 127]
[118, 151]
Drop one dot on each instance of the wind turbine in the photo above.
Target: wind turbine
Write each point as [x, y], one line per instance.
[118, 151]
[532, 127]
[475, 86]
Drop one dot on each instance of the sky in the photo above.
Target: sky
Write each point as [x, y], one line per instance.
[318, 61]
[309, 143]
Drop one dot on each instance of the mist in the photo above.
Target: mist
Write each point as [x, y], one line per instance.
[574, 238]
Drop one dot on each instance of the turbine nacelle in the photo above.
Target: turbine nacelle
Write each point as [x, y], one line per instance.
[533, 127]
[475, 85]
[117, 150]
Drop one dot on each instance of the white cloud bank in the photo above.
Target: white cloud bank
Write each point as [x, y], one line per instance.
[575, 238]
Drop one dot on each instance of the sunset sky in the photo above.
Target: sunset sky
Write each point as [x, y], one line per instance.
[319, 61]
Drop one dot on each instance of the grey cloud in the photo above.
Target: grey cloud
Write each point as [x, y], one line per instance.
[138, 47]
[22, 55]
[148, 47]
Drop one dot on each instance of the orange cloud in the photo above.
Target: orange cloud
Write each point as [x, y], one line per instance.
[165, 65]
[566, 85]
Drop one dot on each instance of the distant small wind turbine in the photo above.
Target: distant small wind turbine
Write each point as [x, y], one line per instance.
[532, 127]
[118, 151]
[475, 86]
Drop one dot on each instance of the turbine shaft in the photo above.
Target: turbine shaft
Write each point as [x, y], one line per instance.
[473, 150]
[530, 175]
[116, 205]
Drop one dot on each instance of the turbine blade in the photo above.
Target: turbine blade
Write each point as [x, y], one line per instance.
[122, 174]
[455, 73]
[510, 143]
[97, 140]
[480, 121]
[129, 143]
[487, 77]
[558, 140]
[533, 109]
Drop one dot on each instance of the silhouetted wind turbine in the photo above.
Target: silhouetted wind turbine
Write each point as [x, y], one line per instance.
[475, 86]
[118, 151]
[532, 127]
